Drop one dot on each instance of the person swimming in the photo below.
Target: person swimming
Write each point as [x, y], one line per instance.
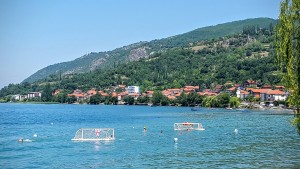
[22, 140]
[145, 128]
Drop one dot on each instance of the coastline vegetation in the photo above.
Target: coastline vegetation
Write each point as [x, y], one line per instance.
[288, 52]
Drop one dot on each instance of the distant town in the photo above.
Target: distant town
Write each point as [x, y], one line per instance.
[249, 91]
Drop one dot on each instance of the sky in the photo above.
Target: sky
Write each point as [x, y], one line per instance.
[38, 33]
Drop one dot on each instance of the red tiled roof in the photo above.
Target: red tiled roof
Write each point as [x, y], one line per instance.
[171, 97]
[104, 94]
[231, 89]
[275, 92]
[91, 92]
[258, 90]
[188, 89]
[244, 92]
[76, 94]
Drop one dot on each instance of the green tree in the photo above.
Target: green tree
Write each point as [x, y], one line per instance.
[113, 100]
[129, 100]
[223, 99]
[210, 101]
[288, 52]
[61, 97]
[234, 102]
[95, 99]
[143, 99]
[182, 99]
[164, 101]
[47, 93]
[156, 98]
[71, 99]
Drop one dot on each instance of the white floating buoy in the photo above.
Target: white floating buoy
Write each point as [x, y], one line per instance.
[175, 140]
[236, 131]
[35, 135]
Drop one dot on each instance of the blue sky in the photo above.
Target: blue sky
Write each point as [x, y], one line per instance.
[38, 33]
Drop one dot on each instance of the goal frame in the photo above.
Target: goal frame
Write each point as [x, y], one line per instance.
[94, 134]
[188, 126]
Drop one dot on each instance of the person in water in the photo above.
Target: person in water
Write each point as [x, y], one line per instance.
[21, 140]
[145, 128]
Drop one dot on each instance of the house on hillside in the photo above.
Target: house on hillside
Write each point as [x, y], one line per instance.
[102, 93]
[277, 95]
[258, 93]
[56, 92]
[78, 94]
[91, 92]
[122, 95]
[231, 90]
[242, 94]
[267, 94]
[18, 97]
[249, 83]
[149, 93]
[32, 95]
[133, 89]
[191, 89]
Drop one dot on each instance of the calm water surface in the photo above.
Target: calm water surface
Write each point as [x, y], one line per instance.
[263, 140]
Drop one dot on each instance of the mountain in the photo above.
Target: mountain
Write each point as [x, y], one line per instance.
[133, 52]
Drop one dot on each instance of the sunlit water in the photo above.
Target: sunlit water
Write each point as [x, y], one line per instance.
[262, 140]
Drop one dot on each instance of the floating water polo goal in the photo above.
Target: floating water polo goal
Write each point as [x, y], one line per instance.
[188, 126]
[94, 134]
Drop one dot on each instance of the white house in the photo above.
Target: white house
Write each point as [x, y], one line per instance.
[276, 95]
[242, 94]
[133, 89]
[34, 95]
[18, 97]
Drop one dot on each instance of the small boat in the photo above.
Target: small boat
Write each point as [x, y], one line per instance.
[228, 108]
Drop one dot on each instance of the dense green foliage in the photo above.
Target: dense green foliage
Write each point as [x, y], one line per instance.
[178, 67]
[288, 51]
[103, 60]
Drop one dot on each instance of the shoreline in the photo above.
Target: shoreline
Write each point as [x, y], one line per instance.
[273, 110]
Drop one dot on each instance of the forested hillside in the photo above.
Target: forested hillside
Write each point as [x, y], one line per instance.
[235, 58]
[109, 59]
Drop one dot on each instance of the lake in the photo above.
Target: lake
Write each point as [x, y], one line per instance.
[263, 140]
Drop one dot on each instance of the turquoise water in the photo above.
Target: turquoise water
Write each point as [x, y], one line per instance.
[263, 140]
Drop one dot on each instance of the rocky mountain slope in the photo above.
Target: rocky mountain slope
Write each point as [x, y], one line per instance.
[133, 52]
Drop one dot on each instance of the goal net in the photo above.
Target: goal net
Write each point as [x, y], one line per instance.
[188, 126]
[94, 134]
